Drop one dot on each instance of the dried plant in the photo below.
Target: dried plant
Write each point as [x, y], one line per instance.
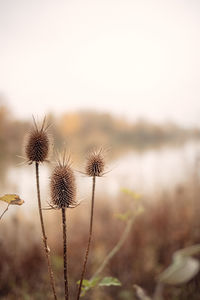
[63, 195]
[95, 166]
[10, 199]
[63, 185]
[37, 146]
[37, 150]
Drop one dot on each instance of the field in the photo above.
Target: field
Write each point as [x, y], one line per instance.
[168, 222]
[135, 232]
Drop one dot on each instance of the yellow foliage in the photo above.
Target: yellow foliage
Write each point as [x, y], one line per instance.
[12, 199]
[70, 124]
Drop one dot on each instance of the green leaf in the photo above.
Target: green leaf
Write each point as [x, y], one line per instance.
[12, 199]
[88, 284]
[108, 281]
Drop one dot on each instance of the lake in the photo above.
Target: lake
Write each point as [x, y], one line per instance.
[144, 172]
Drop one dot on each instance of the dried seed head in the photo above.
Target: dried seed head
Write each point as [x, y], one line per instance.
[63, 186]
[95, 164]
[38, 144]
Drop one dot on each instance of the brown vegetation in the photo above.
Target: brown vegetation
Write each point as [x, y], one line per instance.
[169, 222]
[94, 129]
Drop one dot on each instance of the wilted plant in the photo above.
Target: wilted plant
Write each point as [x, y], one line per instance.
[183, 268]
[95, 166]
[63, 195]
[10, 199]
[37, 150]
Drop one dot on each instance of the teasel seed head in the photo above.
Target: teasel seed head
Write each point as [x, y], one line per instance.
[95, 164]
[63, 186]
[37, 143]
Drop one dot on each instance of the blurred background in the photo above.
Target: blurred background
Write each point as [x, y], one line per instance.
[122, 75]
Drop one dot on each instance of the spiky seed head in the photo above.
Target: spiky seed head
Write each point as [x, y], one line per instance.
[63, 187]
[37, 144]
[95, 164]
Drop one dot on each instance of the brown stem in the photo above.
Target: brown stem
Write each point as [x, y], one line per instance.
[51, 277]
[4, 211]
[65, 253]
[89, 239]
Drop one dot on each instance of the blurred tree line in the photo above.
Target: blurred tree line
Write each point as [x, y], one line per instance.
[85, 129]
[11, 134]
[108, 129]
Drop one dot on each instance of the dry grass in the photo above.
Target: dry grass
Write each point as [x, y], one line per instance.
[170, 221]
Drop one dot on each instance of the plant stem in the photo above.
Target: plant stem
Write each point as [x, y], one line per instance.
[4, 211]
[51, 277]
[158, 294]
[116, 248]
[90, 237]
[65, 253]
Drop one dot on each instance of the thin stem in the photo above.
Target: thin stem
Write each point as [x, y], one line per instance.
[115, 249]
[46, 248]
[158, 294]
[4, 211]
[89, 239]
[65, 253]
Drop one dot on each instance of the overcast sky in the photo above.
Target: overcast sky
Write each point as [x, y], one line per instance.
[134, 58]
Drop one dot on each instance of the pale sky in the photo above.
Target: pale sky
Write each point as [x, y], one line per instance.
[133, 58]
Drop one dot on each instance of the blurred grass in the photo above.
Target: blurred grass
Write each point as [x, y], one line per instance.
[170, 221]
